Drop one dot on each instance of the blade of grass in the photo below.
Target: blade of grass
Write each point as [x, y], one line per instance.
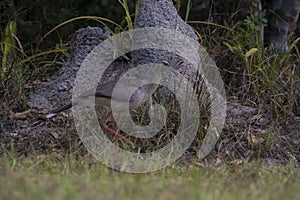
[8, 42]
[58, 50]
[213, 24]
[79, 18]
[188, 8]
[137, 9]
[128, 17]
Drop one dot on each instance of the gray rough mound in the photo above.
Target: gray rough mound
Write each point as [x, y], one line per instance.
[160, 13]
[153, 13]
[58, 89]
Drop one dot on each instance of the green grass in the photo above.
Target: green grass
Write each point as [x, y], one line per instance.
[56, 177]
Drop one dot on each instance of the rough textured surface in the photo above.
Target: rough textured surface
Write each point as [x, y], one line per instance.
[58, 88]
[160, 13]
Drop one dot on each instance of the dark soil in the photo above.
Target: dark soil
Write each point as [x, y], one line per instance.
[247, 136]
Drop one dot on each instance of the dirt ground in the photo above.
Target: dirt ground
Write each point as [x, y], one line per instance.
[248, 135]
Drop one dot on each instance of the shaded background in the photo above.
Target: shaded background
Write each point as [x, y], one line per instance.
[36, 17]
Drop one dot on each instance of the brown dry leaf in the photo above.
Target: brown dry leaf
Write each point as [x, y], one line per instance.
[21, 115]
[237, 162]
[256, 117]
[252, 139]
[55, 135]
[218, 163]
[200, 164]
[37, 82]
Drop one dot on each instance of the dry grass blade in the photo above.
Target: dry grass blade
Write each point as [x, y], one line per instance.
[96, 18]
